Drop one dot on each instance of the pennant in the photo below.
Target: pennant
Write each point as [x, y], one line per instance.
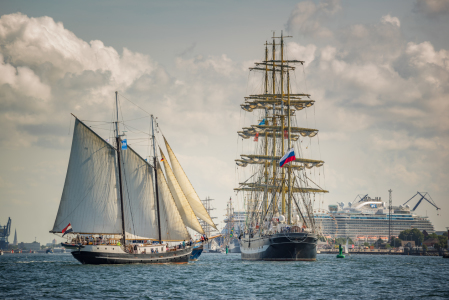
[262, 122]
[162, 159]
[256, 138]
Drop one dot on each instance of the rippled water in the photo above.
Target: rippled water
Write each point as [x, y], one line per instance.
[220, 276]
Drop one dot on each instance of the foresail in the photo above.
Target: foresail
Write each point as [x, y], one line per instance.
[172, 226]
[194, 201]
[138, 195]
[89, 200]
[184, 208]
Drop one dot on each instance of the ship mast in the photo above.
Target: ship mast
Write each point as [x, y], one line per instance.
[277, 186]
[155, 181]
[117, 138]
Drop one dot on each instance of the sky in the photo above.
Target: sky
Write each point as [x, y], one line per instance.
[378, 71]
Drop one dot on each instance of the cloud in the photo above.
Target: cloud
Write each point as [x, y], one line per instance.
[47, 72]
[382, 103]
[392, 20]
[432, 8]
[307, 18]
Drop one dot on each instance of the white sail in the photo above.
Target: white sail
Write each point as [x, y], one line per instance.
[89, 200]
[347, 247]
[138, 196]
[194, 201]
[172, 226]
[184, 208]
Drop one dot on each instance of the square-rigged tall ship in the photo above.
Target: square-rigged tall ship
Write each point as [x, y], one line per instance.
[278, 193]
[120, 209]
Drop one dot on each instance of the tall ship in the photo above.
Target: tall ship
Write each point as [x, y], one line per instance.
[367, 219]
[118, 208]
[277, 186]
[231, 231]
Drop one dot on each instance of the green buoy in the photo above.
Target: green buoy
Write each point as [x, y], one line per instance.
[340, 255]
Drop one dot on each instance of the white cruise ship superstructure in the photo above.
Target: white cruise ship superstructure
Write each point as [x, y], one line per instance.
[368, 219]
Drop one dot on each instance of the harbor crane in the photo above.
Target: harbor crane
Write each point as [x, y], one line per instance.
[4, 234]
[424, 196]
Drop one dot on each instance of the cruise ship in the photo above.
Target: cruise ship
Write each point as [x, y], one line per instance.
[367, 219]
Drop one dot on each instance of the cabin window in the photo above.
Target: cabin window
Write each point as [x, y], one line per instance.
[112, 248]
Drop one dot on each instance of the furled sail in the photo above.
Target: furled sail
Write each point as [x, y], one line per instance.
[89, 200]
[195, 202]
[184, 208]
[138, 196]
[172, 226]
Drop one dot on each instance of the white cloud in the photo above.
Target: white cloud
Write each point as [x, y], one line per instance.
[432, 8]
[307, 17]
[391, 20]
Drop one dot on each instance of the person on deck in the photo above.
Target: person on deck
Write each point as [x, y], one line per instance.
[184, 244]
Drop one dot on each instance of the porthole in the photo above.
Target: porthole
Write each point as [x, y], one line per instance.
[98, 248]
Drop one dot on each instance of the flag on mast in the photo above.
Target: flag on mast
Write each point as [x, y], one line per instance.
[256, 137]
[288, 157]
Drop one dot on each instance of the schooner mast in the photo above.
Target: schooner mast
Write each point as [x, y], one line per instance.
[118, 142]
[155, 180]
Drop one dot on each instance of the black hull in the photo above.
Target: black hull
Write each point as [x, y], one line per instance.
[280, 247]
[98, 258]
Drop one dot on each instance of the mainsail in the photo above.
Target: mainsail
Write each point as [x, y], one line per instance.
[172, 226]
[184, 208]
[89, 200]
[184, 182]
[138, 195]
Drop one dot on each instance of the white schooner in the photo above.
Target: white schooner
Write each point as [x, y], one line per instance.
[279, 194]
[118, 208]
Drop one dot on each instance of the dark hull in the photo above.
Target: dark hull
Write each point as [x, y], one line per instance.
[97, 258]
[280, 247]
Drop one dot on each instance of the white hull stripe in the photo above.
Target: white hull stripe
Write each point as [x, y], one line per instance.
[252, 251]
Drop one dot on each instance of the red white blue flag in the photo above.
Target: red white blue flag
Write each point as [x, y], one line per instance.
[288, 157]
[67, 229]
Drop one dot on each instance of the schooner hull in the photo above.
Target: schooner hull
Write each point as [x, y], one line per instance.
[280, 247]
[101, 258]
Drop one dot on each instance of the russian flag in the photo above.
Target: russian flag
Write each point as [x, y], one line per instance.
[288, 157]
[67, 229]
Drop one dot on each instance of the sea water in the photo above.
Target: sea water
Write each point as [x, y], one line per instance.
[226, 276]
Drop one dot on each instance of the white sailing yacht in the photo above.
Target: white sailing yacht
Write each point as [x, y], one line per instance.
[121, 209]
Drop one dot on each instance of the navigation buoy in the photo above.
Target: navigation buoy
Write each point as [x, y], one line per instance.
[340, 255]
